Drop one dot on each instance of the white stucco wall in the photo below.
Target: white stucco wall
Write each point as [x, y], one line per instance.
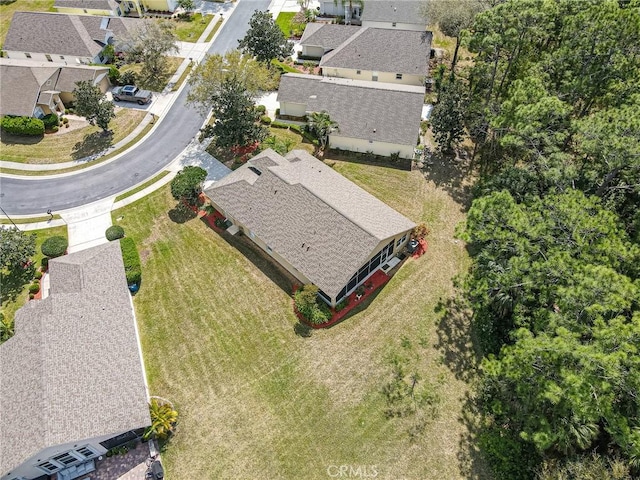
[86, 11]
[57, 59]
[399, 26]
[379, 148]
[312, 51]
[293, 109]
[367, 75]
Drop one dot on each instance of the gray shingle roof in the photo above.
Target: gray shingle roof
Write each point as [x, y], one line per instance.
[72, 371]
[400, 11]
[62, 34]
[324, 225]
[20, 87]
[88, 4]
[383, 50]
[328, 36]
[367, 110]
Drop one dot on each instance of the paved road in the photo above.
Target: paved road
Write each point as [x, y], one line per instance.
[180, 125]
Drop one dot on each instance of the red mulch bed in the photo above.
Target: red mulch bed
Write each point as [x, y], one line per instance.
[421, 250]
[210, 220]
[373, 283]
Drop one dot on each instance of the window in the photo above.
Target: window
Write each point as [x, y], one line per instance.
[86, 452]
[358, 72]
[66, 459]
[269, 249]
[393, 24]
[401, 240]
[251, 235]
[28, 55]
[48, 467]
[398, 76]
[48, 57]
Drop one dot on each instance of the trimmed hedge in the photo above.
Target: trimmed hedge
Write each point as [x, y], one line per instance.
[50, 121]
[131, 260]
[34, 288]
[54, 247]
[114, 232]
[23, 126]
[265, 119]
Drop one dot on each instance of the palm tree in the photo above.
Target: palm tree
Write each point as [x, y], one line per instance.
[321, 125]
[163, 419]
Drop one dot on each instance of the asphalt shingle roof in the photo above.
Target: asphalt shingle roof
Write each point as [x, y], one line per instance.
[324, 225]
[62, 34]
[72, 371]
[400, 11]
[376, 111]
[383, 50]
[327, 35]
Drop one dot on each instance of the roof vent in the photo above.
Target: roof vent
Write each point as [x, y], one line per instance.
[255, 170]
[374, 130]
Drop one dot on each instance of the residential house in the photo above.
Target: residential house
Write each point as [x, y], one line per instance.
[378, 117]
[320, 38]
[318, 225]
[30, 89]
[160, 5]
[381, 55]
[73, 382]
[396, 14]
[61, 38]
[109, 8]
[341, 8]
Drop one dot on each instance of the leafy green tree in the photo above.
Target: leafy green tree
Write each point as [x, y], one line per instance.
[447, 117]
[321, 125]
[150, 44]
[92, 104]
[264, 40]
[16, 247]
[188, 5]
[235, 116]
[208, 76]
[163, 420]
[6, 328]
[187, 184]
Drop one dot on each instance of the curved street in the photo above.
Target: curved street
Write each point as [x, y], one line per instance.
[22, 196]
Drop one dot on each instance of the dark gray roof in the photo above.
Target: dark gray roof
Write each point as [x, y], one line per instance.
[62, 34]
[324, 225]
[88, 4]
[367, 110]
[20, 87]
[73, 369]
[400, 11]
[327, 35]
[383, 50]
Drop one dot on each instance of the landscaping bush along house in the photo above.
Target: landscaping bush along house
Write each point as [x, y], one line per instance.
[23, 126]
[131, 260]
[54, 246]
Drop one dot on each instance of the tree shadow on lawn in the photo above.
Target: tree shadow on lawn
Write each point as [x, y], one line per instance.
[456, 341]
[9, 139]
[14, 282]
[181, 213]
[92, 144]
[367, 159]
[449, 172]
[471, 461]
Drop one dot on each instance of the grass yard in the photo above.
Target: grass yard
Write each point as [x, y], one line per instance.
[155, 84]
[258, 401]
[289, 140]
[7, 11]
[190, 29]
[215, 30]
[15, 287]
[65, 147]
[285, 22]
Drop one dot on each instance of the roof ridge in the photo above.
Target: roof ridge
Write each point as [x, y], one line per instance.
[335, 51]
[88, 41]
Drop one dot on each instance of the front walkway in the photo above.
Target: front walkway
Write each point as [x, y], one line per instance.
[86, 225]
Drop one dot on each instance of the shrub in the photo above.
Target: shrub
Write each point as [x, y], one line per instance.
[24, 126]
[34, 288]
[395, 156]
[38, 275]
[261, 109]
[114, 74]
[420, 231]
[54, 247]
[307, 303]
[131, 260]
[32, 296]
[114, 232]
[265, 119]
[342, 304]
[44, 264]
[65, 120]
[128, 78]
[50, 121]
[54, 129]
[277, 112]
[187, 184]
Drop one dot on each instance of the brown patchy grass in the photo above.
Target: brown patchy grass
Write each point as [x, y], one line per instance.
[65, 147]
[7, 11]
[258, 401]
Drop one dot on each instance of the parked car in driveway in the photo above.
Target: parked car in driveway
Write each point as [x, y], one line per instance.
[131, 93]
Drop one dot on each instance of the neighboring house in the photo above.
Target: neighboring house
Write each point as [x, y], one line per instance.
[35, 90]
[73, 382]
[321, 38]
[61, 38]
[379, 117]
[398, 14]
[109, 8]
[159, 5]
[340, 8]
[381, 55]
[318, 225]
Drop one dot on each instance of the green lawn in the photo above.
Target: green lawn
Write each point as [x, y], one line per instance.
[215, 29]
[7, 11]
[290, 140]
[258, 401]
[284, 21]
[65, 147]
[15, 287]
[190, 29]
